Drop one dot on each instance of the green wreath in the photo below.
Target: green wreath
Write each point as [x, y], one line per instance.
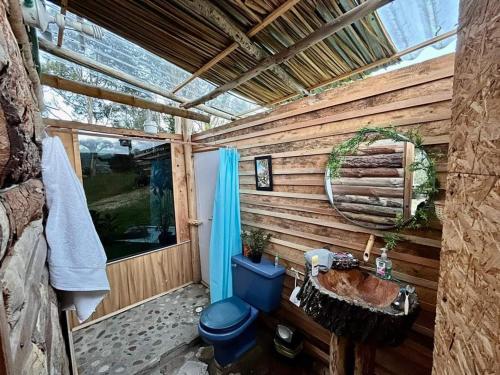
[428, 187]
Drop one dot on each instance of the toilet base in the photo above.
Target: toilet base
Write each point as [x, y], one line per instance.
[229, 347]
[226, 353]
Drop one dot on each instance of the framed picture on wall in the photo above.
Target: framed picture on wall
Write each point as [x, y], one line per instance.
[263, 173]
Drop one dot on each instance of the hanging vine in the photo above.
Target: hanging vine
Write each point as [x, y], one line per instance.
[428, 186]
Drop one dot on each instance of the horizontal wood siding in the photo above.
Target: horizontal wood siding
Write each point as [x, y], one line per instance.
[299, 137]
[141, 277]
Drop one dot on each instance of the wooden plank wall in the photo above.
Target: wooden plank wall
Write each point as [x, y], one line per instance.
[299, 137]
[139, 278]
[144, 276]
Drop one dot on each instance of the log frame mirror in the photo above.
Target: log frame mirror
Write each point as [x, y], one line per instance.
[381, 179]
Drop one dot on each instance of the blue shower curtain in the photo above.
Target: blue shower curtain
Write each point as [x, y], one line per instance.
[225, 238]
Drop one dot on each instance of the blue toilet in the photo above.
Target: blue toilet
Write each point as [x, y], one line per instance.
[230, 324]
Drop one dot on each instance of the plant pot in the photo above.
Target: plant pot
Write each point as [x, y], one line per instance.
[246, 250]
[254, 256]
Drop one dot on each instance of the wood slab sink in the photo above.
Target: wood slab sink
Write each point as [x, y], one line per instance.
[360, 286]
[357, 304]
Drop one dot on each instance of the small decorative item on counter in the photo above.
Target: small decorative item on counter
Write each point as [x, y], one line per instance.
[384, 265]
[296, 289]
[404, 299]
[256, 241]
[315, 265]
[344, 261]
[325, 258]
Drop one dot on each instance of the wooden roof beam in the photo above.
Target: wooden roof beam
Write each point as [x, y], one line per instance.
[118, 97]
[209, 11]
[373, 65]
[102, 129]
[278, 12]
[323, 32]
[82, 60]
[60, 34]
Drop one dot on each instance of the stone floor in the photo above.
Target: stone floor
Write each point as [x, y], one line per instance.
[141, 340]
[160, 337]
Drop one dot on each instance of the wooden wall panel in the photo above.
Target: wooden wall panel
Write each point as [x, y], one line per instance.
[299, 137]
[139, 278]
[69, 139]
[468, 312]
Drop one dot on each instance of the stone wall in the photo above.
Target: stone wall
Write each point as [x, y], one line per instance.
[31, 340]
[467, 322]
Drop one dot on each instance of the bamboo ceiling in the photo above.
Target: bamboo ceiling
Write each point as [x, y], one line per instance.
[178, 34]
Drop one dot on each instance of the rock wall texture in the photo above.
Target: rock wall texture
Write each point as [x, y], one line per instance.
[467, 322]
[31, 340]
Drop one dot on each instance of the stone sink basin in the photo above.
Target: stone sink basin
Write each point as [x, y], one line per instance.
[357, 304]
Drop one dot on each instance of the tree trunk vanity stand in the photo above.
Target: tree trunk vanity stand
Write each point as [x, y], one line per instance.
[357, 308]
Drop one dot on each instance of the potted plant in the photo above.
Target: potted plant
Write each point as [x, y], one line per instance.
[244, 243]
[256, 242]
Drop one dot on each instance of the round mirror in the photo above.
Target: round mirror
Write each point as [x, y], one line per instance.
[377, 181]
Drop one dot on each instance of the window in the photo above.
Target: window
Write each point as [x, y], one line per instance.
[129, 190]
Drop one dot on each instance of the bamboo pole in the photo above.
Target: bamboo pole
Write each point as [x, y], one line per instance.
[60, 34]
[65, 124]
[323, 32]
[396, 56]
[278, 12]
[79, 59]
[118, 97]
[373, 65]
[121, 133]
[207, 10]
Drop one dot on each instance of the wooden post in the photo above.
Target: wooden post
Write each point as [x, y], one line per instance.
[364, 361]
[409, 157]
[185, 128]
[337, 360]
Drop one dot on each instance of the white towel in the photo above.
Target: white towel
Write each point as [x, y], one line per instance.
[76, 258]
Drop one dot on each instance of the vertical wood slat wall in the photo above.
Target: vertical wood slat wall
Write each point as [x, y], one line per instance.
[299, 137]
[141, 277]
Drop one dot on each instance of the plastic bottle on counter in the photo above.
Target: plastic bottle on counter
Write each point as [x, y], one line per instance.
[384, 265]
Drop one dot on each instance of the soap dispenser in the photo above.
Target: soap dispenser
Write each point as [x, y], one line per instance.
[384, 265]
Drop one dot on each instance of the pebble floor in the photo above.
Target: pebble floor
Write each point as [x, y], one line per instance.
[135, 341]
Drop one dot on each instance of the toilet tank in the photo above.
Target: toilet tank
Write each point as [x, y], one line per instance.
[259, 284]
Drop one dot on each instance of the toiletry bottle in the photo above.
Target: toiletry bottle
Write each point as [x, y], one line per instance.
[384, 265]
[314, 265]
[276, 260]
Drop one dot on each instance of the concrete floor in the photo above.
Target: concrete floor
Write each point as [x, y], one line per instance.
[139, 341]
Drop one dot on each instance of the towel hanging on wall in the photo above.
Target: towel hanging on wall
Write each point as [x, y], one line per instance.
[76, 258]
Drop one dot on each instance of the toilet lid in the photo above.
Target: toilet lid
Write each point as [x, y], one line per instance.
[225, 314]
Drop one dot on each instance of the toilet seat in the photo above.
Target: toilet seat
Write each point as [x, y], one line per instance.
[226, 315]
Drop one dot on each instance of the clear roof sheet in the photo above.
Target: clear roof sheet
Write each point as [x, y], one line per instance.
[410, 22]
[128, 57]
